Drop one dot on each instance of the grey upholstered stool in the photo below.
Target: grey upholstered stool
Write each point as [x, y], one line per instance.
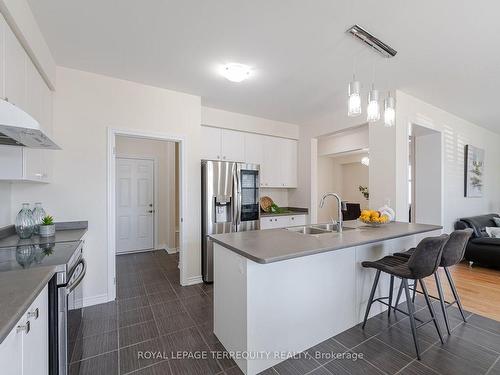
[453, 253]
[422, 263]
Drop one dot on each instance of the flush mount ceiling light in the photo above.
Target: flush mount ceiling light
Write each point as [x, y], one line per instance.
[235, 72]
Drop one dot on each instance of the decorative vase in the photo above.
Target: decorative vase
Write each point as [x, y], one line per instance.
[38, 215]
[25, 224]
[47, 230]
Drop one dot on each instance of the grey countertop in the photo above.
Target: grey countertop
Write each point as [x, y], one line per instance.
[289, 211]
[65, 232]
[274, 245]
[19, 287]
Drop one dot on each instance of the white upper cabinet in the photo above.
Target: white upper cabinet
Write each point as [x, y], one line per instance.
[3, 26]
[280, 163]
[276, 156]
[289, 162]
[22, 85]
[222, 144]
[211, 139]
[25, 164]
[233, 145]
[15, 71]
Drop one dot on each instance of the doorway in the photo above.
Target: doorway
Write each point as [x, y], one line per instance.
[146, 199]
[425, 176]
[135, 204]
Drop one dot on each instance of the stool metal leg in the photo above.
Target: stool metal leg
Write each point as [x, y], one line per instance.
[372, 294]
[399, 295]
[414, 291]
[412, 318]
[391, 289]
[455, 293]
[442, 301]
[431, 310]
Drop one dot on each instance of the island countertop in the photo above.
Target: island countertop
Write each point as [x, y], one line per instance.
[274, 245]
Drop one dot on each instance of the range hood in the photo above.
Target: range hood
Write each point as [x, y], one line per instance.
[17, 128]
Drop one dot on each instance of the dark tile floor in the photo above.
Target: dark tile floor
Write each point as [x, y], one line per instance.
[154, 318]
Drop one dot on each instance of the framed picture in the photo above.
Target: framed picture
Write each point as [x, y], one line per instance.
[474, 172]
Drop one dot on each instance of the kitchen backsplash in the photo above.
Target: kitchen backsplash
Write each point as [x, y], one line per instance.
[5, 205]
[279, 196]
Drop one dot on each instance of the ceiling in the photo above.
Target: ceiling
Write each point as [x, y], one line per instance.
[303, 60]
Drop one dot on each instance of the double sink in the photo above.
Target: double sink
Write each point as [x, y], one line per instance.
[316, 229]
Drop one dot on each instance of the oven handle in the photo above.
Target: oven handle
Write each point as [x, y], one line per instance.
[80, 277]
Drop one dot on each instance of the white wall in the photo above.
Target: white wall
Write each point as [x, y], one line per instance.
[329, 180]
[237, 121]
[456, 133]
[164, 154]
[279, 196]
[427, 184]
[348, 141]
[353, 176]
[85, 106]
[5, 205]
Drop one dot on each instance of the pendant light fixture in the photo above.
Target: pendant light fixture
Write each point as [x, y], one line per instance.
[389, 111]
[354, 101]
[373, 109]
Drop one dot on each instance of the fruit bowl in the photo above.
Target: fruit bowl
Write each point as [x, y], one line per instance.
[373, 218]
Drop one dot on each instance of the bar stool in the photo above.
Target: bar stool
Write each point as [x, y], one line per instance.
[453, 253]
[422, 263]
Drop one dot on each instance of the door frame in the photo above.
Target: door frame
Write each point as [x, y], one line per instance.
[155, 194]
[111, 199]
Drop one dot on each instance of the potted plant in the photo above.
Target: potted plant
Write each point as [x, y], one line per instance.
[47, 227]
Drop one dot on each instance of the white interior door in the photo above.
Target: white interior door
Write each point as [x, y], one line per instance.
[134, 204]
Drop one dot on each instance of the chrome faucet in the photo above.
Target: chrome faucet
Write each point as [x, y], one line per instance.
[340, 205]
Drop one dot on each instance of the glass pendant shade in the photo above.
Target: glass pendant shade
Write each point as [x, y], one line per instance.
[354, 103]
[389, 111]
[373, 109]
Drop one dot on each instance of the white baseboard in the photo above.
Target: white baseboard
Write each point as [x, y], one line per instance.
[171, 251]
[95, 300]
[194, 280]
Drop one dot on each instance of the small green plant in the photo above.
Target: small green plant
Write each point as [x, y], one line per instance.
[48, 220]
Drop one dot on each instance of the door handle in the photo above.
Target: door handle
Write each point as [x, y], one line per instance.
[151, 211]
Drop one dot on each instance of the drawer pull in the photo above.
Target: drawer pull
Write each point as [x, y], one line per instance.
[26, 327]
[34, 314]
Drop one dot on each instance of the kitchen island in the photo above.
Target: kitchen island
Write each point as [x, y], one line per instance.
[278, 292]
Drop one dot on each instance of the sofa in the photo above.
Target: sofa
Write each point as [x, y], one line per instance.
[481, 248]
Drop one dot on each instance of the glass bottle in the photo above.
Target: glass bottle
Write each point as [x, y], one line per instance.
[25, 224]
[38, 215]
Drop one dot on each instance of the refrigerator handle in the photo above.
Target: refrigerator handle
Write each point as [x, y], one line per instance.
[236, 211]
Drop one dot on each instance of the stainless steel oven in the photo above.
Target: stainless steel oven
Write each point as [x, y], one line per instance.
[65, 304]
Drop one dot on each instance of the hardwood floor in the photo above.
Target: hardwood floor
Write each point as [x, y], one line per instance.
[478, 287]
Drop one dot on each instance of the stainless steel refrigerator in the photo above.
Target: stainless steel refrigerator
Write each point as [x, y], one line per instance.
[230, 203]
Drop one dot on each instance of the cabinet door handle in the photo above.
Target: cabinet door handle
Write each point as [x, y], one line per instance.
[24, 327]
[34, 314]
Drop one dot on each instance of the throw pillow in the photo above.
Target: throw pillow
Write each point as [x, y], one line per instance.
[497, 221]
[493, 232]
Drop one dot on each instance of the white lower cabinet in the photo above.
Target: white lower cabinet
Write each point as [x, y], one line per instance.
[273, 222]
[25, 164]
[25, 349]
